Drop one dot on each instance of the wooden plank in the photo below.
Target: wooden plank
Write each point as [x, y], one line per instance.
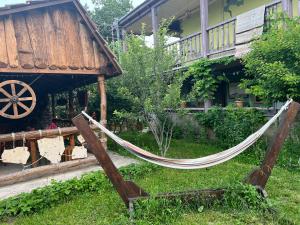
[87, 48]
[249, 35]
[61, 56]
[48, 170]
[125, 189]
[3, 51]
[100, 59]
[25, 51]
[11, 42]
[49, 71]
[35, 21]
[72, 39]
[250, 19]
[259, 177]
[50, 40]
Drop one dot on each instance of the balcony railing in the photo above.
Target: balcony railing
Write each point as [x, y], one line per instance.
[221, 38]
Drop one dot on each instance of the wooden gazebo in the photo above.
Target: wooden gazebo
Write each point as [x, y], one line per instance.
[47, 47]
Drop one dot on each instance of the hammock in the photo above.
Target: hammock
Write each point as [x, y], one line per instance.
[199, 163]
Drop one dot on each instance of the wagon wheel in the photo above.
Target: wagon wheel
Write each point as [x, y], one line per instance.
[17, 99]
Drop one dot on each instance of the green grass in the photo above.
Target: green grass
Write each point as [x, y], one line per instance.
[107, 208]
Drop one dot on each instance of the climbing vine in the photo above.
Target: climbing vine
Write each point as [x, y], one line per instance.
[206, 78]
[229, 3]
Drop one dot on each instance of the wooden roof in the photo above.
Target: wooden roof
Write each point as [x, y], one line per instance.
[52, 37]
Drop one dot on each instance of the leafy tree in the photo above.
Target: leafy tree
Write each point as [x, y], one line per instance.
[272, 67]
[106, 11]
[150, 85]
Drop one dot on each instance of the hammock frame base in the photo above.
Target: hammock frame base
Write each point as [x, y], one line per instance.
[130, 192]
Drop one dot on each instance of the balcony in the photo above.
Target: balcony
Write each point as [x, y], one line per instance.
[221, 39]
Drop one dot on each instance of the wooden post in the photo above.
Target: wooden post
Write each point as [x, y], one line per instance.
[204, 26]
[287, 7]
[154, 23]
[103, 107]
[259, 177]
[33, 153]
[71, 147]
[298, 7]
[124, 39]
[126, 189]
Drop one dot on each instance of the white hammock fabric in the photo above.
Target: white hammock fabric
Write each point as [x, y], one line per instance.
[199, 163]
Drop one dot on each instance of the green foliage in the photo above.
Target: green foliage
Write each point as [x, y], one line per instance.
[107, 11]
[272, 67]
[244, 197]
[231, 125]
[205, 77]
[58, 192]
[229, 3]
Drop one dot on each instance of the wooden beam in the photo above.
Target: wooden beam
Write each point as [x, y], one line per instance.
[44, 134]
[204, 26]
[126, 189]
[49, 71]
[47, 170]
[103, 104]
[259, 177]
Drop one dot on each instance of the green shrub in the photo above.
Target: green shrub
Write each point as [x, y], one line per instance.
[58, 192]
[232, 125]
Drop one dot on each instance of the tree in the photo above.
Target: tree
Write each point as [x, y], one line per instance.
[151, 86]
[272, 67]
[107, 11]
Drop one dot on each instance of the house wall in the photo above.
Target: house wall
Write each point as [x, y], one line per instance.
[216, 14]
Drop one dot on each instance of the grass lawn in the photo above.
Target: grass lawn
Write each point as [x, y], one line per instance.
[107, 208]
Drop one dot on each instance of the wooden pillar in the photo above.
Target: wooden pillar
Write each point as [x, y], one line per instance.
[204, 26]
[33, 153]
[298, 7]
[124, 39]
[71, 147]
[103, 107]
[154, 23]
[287, 7]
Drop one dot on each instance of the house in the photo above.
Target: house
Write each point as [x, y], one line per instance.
[209, 28]
[46, 48]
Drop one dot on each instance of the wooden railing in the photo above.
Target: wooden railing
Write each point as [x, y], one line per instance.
[272, 11]
[29, 139]
[222, 36]
[186, 49]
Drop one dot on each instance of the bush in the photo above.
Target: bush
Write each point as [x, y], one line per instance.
[232, 125]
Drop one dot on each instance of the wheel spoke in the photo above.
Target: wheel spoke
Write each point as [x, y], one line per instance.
[13, 89]
[5, 108]
[15, 107]
[23, 106]
[4, 100]
[5, 93]
[26, 99]
[22, 91]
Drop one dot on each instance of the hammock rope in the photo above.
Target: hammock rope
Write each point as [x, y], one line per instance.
[198, 163]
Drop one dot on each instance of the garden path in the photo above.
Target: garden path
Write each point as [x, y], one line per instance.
[28, 186]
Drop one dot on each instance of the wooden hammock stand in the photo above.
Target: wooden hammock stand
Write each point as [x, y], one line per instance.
[129, 191]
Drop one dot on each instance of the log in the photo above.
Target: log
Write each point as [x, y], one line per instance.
[56, 15]
[87, 48]
[34, 21]
[51, 41]
[23, 41]
[48, 170]
[103, 105]
[33, 153]
[44, 134]
[74, 49]
[11, 42]
[3, 51]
